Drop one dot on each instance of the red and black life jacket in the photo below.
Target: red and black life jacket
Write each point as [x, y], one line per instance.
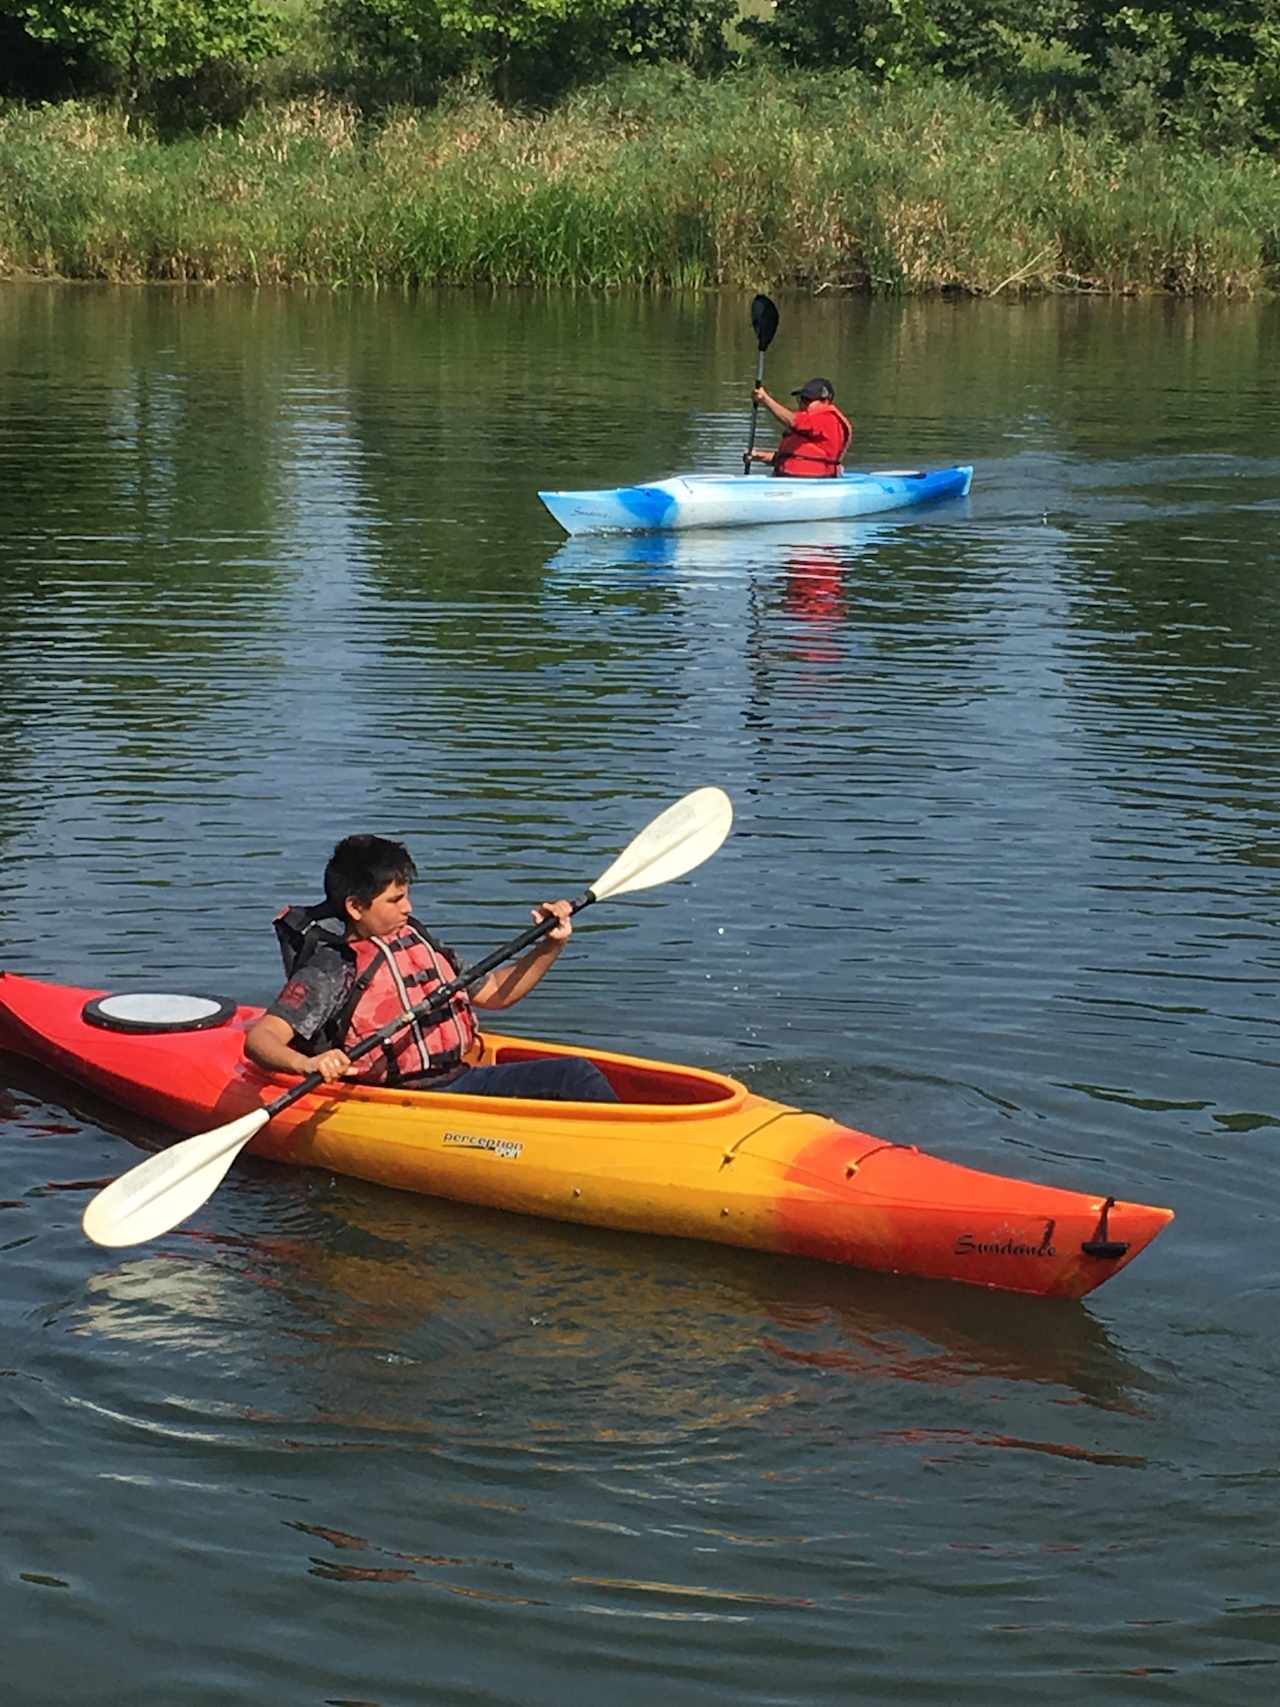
[798, 456]
[390, 975]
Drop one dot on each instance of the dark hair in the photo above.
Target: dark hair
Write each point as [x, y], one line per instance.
[362, 867]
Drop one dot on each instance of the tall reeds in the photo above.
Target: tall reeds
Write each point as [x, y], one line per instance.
[651, 180]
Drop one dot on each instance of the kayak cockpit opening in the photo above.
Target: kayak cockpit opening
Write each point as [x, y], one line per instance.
[652, 1084]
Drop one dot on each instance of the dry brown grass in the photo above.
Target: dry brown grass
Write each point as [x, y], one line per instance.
[792, 182]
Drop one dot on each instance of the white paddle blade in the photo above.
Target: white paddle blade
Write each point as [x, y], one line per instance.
[677, 840]
[162, 1191]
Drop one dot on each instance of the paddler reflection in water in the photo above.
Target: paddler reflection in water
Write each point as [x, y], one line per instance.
[360, 958]
[817, 434]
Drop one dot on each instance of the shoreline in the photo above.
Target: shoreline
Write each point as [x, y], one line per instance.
[639, 187]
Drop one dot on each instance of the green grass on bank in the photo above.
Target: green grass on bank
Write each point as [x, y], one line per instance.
[651, 181]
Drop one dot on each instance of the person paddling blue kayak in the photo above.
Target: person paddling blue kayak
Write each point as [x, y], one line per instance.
[815, 441]
[817, 434]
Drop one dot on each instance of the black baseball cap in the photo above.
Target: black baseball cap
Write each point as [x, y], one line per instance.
[815, 390]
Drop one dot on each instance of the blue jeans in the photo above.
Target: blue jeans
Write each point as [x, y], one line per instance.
[557, 1078]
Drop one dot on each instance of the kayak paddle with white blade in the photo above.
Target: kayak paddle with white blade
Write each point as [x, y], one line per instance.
[169, 1186]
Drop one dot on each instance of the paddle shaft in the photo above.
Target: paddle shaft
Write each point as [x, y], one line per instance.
[435, 1002]
[755, 416]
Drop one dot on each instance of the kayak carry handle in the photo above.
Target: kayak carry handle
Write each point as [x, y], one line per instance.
[1100, 1245]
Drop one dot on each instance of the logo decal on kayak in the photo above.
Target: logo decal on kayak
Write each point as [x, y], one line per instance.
[506, 1148]
[1004, 1243]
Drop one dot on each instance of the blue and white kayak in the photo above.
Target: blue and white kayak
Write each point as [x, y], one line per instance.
[717, 501]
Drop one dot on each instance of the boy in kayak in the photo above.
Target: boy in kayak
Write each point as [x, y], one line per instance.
[343, 987]
[817, 434]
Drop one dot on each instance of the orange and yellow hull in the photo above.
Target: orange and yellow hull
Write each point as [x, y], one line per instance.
[685, 1152]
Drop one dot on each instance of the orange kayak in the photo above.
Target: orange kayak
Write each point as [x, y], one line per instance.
[685, 1151]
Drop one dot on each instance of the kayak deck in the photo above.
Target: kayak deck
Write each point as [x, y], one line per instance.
[687, 1152]
[699, 500]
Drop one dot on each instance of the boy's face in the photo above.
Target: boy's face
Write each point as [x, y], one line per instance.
[384, 915]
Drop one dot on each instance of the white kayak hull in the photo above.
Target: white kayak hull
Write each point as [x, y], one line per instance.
[709, 501]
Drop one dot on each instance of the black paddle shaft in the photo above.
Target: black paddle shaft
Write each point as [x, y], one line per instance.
[764, 322]
[437, 1001]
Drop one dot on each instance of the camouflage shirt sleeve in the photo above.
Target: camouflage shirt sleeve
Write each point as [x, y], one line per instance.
[314, 994]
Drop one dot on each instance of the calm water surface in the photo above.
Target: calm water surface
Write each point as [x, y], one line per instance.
[1004, 882]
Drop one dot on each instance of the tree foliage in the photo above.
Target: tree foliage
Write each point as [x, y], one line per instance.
[145, 41]
[1211, 67]
[892, 39]
[528, 49]
[1208, 70]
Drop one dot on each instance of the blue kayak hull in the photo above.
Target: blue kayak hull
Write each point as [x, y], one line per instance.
[707, 501]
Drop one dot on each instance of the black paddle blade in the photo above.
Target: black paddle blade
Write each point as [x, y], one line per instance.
[764, 321]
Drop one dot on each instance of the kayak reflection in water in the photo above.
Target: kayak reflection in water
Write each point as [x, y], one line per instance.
[817, 437]
[360, 958]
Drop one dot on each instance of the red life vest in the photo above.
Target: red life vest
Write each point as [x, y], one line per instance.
[391, 976]
[801, 455]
